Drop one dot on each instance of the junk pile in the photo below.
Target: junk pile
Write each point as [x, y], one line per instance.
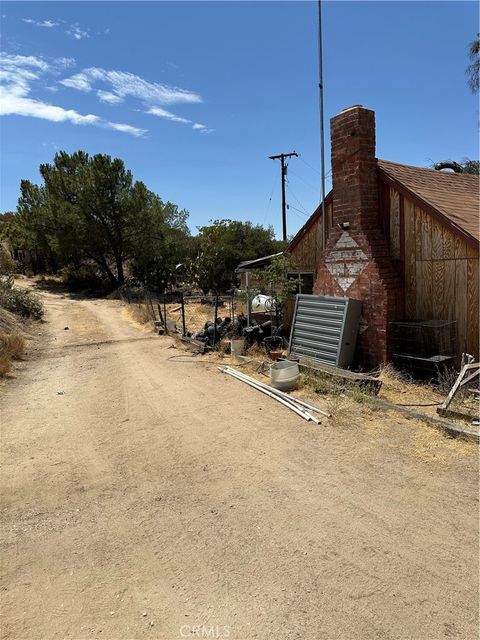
[213, 333]
[258, 333]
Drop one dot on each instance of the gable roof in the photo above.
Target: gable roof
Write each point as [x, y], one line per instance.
[455, 196]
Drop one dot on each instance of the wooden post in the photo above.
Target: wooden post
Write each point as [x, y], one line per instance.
[184, 333]
[165, 310]
[215, 321]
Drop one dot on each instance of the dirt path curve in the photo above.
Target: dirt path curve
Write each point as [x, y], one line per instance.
[145, 498]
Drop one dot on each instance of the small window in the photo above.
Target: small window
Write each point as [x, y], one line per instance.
[303, 281]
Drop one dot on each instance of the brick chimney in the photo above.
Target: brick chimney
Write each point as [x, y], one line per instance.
[356, 262]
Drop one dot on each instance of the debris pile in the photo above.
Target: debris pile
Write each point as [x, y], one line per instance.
[213, 333]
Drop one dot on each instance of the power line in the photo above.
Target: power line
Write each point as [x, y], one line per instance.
[275, 179]
[296, 199]
[304, 181]
[309, 165]
[305, 215]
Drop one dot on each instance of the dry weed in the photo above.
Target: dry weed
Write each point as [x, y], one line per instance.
[11, 347]
[139, 313]
[14, 346]
[5, 364]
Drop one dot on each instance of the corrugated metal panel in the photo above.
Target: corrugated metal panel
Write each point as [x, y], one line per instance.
[325, 329]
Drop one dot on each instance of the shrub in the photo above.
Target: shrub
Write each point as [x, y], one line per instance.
[20, 301]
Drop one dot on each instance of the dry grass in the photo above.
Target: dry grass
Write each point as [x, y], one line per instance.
[139, 313]
[12, 347]
[401, 389]
[5, 365]
[196, 314]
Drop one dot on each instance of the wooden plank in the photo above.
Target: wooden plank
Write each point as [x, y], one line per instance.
[394, 223]
[448, 244]
[472, 307]
[402, 229]
[472, 252]
[439, 302]
[437, 241]
[370, 384]
[429, 301]
[424, 290]
[460, 248]
[426, 237]
[410, 262]
[419, 215]
[461, 304]
[449, 289]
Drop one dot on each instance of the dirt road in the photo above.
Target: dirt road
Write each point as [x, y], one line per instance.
[147, 498]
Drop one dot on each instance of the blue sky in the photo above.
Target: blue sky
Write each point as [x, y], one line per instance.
[194, 97]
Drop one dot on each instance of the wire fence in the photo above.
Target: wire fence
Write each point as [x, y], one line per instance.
[206, 319]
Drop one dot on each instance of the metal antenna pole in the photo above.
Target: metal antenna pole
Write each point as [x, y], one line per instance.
[322, 130]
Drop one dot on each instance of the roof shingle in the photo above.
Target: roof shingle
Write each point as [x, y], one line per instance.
[453, 195]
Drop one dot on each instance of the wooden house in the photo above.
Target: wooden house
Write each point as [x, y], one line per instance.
[404, 240]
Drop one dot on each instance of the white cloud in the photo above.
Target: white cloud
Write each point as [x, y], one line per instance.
[48, 24]
[162, 113]
[125, 84]
[126, 128]
[17, 73]
[75, 32]
[107, 96]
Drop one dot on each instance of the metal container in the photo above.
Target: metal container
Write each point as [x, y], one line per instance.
[284, 375]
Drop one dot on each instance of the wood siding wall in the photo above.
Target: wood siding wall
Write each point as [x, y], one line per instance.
[306, 254]
[440, 269]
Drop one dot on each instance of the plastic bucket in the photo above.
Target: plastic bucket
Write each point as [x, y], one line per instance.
[284, 375]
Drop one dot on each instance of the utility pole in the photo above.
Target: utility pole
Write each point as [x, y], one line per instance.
[281, 157]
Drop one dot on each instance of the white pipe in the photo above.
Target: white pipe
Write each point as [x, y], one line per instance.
[289, 405]
[256, 385]
[284, 395]
[312, 408]
[281, 394]
[270, 390]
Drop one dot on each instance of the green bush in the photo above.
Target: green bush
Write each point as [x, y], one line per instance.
[20, 301]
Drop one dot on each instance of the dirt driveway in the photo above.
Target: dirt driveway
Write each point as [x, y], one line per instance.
[148, 498]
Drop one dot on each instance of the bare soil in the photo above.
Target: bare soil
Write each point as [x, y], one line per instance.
[145, 497]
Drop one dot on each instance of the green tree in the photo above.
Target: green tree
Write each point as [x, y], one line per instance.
[164, 245]
[89, 209]
[222, 245]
